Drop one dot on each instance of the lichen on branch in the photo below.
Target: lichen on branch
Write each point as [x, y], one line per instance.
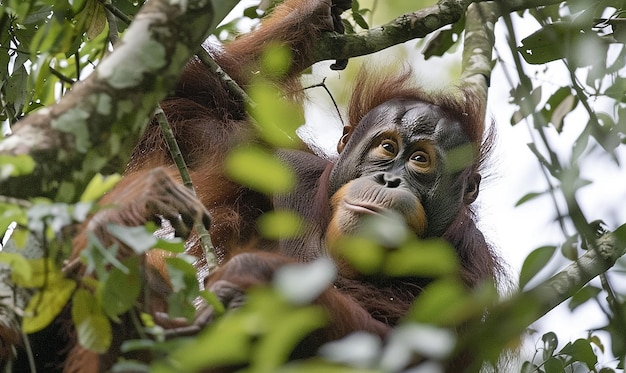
[95, 126]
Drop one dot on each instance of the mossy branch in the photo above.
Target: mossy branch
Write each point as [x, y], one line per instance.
[512, 317]
[96, 125]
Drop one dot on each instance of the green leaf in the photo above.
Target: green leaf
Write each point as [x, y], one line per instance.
[15, 89]
[569, 249]
[99, 185]
[229, 341]
[173, 245]
[582, 351]
[443, 303]
[53, 37]
[93, 17]
[561, 103]
[322, 366]
[550, 343]
[139, 344]
[359, 20]
[361, 349]
[182, 277]
[137, 238]
[544, 45]
[302, 283]
[121, 288]
[276, 61]
[582, 296]
[92, 327]
[593, 339]
[444, 40]
[274, 349]
[134, 366]
[563, 40]
[212, 300]
[606, 370]
[527, 104]
[529, 367]
[617, 88]
[16, 165]
[364, 255]
[277, 118]
[260, 170]
[427, 258]
[97, 257]
[280, 224]
[348, 29]
[251, 12]
[554, 365]
[535, 262]
[528, 197]
[179, 305]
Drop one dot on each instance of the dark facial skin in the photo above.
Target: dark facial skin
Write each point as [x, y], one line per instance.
[399, 158]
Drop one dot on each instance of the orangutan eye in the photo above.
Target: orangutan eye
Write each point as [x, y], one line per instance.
[389, 147]
[420, 157]
[421, 160]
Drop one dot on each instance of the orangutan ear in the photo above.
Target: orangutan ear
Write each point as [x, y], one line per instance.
[347, 131]
[472, 188]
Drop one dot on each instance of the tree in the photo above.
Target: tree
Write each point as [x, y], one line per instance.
[91, 128]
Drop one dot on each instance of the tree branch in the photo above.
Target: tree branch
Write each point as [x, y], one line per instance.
[74, 139]
[516, 5]
[511, 318]
[404, 28]
[477, 48]
[407, 27]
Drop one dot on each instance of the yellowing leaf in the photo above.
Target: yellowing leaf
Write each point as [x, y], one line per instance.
[46, 305]
[40, 272]
[93, 18]
[21, 270]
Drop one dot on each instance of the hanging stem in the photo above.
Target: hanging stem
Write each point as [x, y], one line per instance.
[177, 156]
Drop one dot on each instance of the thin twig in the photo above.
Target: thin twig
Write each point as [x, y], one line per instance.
[231, 85]
[113, 31]
[118, 13]
[61, 77]
[323, 85]
[177, 156]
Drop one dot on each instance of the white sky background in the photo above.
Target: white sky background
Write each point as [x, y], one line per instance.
[514, 172]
